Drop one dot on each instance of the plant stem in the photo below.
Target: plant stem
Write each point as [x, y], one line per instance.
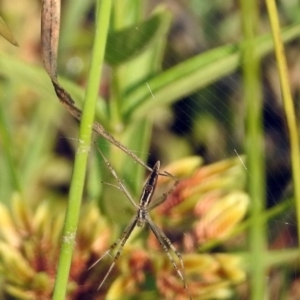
[254, 148]
[78, 177]
[288, 104]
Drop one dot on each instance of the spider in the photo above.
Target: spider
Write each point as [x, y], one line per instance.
[141, 218]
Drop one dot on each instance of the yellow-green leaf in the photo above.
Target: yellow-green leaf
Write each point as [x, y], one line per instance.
[126, 44]
[6, 33]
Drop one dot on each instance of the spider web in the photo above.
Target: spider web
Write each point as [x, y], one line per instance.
[209, 123]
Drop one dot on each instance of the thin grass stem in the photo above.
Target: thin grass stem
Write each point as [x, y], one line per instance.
[254, 148]
[288, 104]
[86, 125]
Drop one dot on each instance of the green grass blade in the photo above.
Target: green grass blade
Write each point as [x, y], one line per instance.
[78, 178]
[287, 103]
[254, 148]
[193, 74]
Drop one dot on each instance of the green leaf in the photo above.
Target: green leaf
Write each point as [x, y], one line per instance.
[192, 75]
[128, 43]
[37, 79]
[6, 33]
[137, 137]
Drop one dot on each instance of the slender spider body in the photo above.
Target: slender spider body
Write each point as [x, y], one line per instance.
[142, 217]
[146, 197]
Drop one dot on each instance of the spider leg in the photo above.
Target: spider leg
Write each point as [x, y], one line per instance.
[120, 184]
[111, 184]
[121, 242]
[115, 244]
[164, 197]
[166, 244]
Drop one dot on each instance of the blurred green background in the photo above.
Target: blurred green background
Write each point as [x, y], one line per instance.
[178, 91]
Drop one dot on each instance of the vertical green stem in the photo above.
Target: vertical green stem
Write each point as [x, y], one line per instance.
[73, 209]
[288, 104]
[7, 146]
[254, 148]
